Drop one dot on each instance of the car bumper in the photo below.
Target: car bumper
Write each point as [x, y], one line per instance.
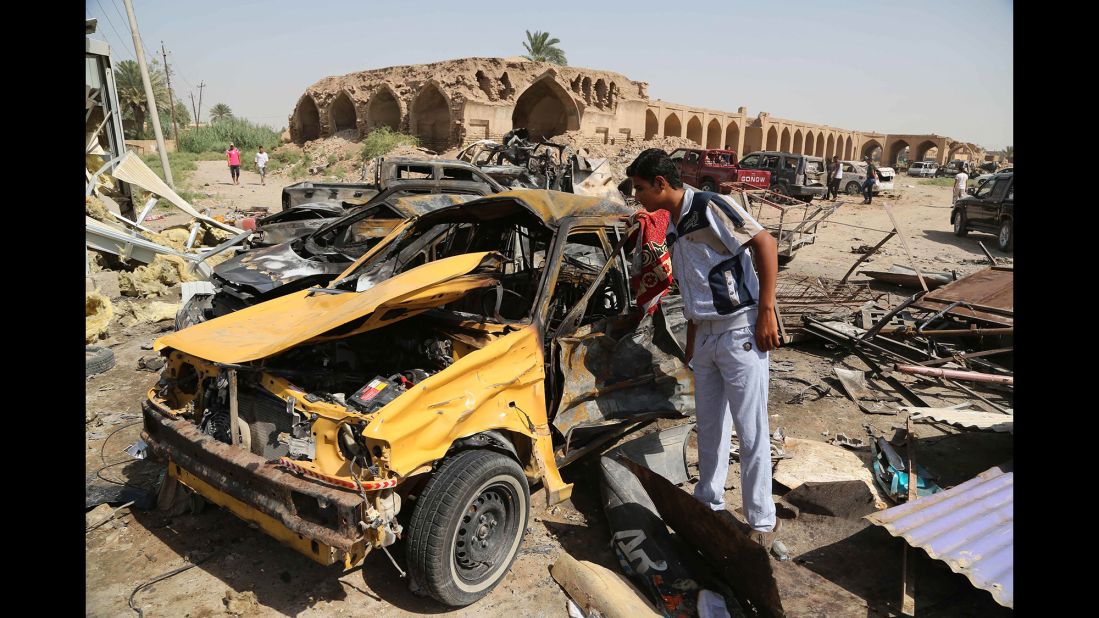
[814, 191]
[315, 519]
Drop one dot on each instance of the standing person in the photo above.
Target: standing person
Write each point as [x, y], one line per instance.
[261, 165]
[730, 308]
[233, 155]
[868, 184]
[960, 179]
[835, 175]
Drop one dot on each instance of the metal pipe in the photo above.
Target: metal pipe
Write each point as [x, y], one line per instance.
[867, 255]
[955, 332]
[234, 420]
[964, 356]
[971, 376]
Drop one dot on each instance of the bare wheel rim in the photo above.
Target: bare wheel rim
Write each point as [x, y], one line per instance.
[486, 532]
[1005, 234]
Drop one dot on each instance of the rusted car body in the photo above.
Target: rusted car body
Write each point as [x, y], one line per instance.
[498, 337]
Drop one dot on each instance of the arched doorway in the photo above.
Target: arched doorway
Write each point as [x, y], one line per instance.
[341, 114]
[430, 118]
[306, 124]
[784, 141]
[713, 134]
[772, 139]
[896, 149]
[545, 109]
[383, 110]
[848, 150]
[871, 149]
[798, 142]
[830, 147]
[672, 126]
[927, 151]
[820, 145]
[694, 130]
[652, 125]
[732, 136]
[810, 143]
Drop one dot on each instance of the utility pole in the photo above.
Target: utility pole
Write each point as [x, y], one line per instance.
[194, 109]
[171, 97]
[201, 85]
[140, 51]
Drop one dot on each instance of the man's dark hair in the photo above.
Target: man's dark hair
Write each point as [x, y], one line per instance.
[652, 163]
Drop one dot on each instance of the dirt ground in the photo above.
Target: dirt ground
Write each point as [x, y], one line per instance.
[243, 572]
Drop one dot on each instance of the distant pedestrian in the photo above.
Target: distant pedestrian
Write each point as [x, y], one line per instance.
[261, 165]
[233, 155]
[835, 175]
[960, 180]
[871, 180]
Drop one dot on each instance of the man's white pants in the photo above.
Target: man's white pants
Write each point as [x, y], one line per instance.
[731, 389]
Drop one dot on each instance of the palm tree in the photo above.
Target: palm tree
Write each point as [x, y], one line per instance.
[131, 90]
[220, 111]
[541, 48]
[1009, 153]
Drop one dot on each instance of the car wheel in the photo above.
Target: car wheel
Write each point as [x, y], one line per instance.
[782, 190]
[853, 188]
[959, 224]
[97, 359]
[194, 311]
[466, 528]
[785, 259]
[1006, 238]
[708, 185]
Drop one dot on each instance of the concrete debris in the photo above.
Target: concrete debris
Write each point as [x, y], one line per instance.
[98, 312]
[105, 282]
[151, 363]
[240, 603]
[814, 461]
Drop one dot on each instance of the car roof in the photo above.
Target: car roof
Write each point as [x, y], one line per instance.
[553, 207]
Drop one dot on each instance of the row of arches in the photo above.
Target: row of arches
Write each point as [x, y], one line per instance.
[545, 108]
[923, 150]
[810, 142]
[673, 127]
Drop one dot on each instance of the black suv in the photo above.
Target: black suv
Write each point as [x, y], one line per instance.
[796, 175]
[988, 208]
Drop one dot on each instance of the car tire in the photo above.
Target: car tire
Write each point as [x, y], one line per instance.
[476, 495]
[853, 188]
[708, 185]
[960, 229]
[786, 259]
[97, 359]
[782, 189]
[1005, 240]
[194, 311]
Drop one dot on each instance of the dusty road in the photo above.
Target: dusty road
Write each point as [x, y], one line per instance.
[244, 572]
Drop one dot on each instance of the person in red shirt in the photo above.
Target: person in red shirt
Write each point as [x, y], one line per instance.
[233, 155]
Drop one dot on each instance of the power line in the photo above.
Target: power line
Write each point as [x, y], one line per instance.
[111, 24]
[114, 3]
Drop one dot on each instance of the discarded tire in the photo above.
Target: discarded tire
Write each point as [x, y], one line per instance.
[467, 526]
[97, 359]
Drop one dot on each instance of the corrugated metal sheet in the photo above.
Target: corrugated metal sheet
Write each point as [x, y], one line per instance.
[991, 293]
[969, 527]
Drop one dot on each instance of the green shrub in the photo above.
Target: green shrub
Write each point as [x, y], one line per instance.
[381, 141]
[217, 137]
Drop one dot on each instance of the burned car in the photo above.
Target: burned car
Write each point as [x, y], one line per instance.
[261, 274]
[522, 163]
[307, 206]
[473, 353]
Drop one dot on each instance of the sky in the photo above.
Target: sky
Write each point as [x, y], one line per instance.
[888, 67]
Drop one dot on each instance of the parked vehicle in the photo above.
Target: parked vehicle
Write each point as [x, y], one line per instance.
[984, 177]
[261, 274]
[988, 208]
[854, 174]
[708, 169]
[796, 175]
[476, 351]
[953, 167]
[923, 169]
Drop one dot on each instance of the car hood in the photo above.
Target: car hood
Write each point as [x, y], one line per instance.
[281, 323]
[287, 231]
[262, 270]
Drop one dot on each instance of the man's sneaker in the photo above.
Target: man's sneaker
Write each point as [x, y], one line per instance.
[765, 539]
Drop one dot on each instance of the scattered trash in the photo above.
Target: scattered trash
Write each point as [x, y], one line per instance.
[890, 472]
[778, 550]
[240, 603]
[968, 419]
[820, 462]
[778, 443]
[782, 365]
[138, 449]
[871, 398]
[854, 444]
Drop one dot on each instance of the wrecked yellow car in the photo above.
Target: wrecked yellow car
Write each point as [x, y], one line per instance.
[474, 352]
